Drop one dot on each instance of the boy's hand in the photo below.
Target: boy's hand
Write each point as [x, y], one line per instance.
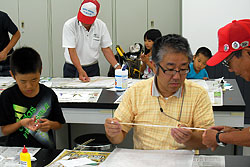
[45, 125]
[30, 123]
[205, 78]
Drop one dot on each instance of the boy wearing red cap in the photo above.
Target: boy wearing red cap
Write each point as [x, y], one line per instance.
[234, 53]
[83, 36]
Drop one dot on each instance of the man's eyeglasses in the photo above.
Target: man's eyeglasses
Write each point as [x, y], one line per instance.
[226, 62]
[173, 72]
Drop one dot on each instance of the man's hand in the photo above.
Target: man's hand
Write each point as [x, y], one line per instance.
[3, 56]
[209, 138]
[83, 76]
[181, 135]
[112, 127]
[224, 128]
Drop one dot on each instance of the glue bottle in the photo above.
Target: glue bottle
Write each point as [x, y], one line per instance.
[25, 160]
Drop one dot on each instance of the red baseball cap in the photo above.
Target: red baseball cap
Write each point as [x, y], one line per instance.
[88, 11]
[232, 37]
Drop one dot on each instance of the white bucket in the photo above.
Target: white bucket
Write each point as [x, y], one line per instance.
[121, 79]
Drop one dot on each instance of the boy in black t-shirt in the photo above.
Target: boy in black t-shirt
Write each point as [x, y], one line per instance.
[29, 111]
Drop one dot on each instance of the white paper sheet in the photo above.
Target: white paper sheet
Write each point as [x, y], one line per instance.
[95, 82]
[6, 82]
[78, 95]
[205, 161]
[148, 158]
[201, 83]
[10, 155]
[214, 90]
[76, 162]
[119, 98]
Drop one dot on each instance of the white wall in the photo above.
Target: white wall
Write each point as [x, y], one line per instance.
[131, 22]
[59, 16]
[34, 32]
[127, 21]
[135, 17]
[165, 15]
[11, 7]
[201, 19]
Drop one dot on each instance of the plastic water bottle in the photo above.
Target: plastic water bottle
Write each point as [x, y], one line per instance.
[121, 79]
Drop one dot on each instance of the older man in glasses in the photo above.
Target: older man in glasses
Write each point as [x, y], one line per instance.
[158, 108]
[234, 53]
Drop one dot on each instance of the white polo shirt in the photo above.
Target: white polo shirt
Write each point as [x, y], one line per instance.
[87, 43]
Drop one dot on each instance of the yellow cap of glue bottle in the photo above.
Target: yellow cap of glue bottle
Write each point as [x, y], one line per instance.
[25, 160]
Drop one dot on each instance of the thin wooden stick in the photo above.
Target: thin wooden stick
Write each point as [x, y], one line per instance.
[160, 126]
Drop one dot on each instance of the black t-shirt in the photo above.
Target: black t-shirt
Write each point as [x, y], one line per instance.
[14, 106]
[6, 26]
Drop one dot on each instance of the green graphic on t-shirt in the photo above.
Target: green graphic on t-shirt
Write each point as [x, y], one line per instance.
[19, 111]
[22, 113]
[42, 111]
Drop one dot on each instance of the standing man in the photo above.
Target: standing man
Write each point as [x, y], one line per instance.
[165, 99]
[234, 53]
[83, 36]
[7, 44]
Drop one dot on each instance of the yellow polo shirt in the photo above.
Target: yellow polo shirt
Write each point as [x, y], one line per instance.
[190, 106]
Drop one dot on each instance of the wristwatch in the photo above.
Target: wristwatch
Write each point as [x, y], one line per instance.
[220, 143]
[116, 65]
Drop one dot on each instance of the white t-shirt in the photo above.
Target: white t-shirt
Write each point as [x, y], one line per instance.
[87, 43]
[148, 73]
